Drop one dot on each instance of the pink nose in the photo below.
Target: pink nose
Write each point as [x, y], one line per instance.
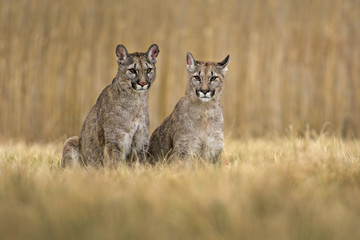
[142, 83]
[205, 91]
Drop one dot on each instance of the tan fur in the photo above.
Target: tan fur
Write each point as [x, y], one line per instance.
[117, 127]
[196, 127]
[71, 151]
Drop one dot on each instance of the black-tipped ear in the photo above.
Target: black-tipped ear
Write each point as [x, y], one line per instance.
[222, 65]
[121, 54]
[190, 62]
[152, 53]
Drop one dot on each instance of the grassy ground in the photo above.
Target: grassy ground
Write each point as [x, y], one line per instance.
[281, 188]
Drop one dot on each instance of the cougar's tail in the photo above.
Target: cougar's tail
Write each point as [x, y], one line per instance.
[71, 153]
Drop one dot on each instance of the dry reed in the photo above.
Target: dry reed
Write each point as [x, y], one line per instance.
[292, 62]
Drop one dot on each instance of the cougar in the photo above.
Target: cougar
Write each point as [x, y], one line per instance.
[195, 128]
[117, 127]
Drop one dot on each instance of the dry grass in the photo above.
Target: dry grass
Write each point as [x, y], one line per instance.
[292, 62]
[280, 188]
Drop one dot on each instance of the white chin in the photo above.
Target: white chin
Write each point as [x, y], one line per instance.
[204, 99]
[140, 88]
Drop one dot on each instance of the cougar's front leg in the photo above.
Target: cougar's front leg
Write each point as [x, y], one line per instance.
[185, 148]
[117, 147]
[140, 143]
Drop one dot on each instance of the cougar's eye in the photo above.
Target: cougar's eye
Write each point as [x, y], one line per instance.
[132, 70]
[197, 78]
[148, 70]
[213, 78]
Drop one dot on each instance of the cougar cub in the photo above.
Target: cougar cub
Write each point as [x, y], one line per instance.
[195, 127]
[117, 127]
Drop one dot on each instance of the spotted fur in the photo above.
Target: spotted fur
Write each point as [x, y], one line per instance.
[195, 128]
[117, 127]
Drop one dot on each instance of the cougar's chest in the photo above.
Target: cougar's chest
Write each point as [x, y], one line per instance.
[211, 129]
[130, 115]
[137, 119]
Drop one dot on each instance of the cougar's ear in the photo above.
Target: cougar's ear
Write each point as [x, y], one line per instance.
[190, 62]
[223, 64]
[121, 54]
[152, 53]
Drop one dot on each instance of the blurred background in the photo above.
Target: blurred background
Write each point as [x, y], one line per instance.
[293, 64]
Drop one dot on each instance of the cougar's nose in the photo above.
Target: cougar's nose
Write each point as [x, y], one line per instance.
[204, 91]
[142, 83]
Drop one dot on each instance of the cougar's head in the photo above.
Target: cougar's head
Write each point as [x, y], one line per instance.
[206, 79]
[137, 70]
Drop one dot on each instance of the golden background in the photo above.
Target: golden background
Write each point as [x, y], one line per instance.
[293, 64]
